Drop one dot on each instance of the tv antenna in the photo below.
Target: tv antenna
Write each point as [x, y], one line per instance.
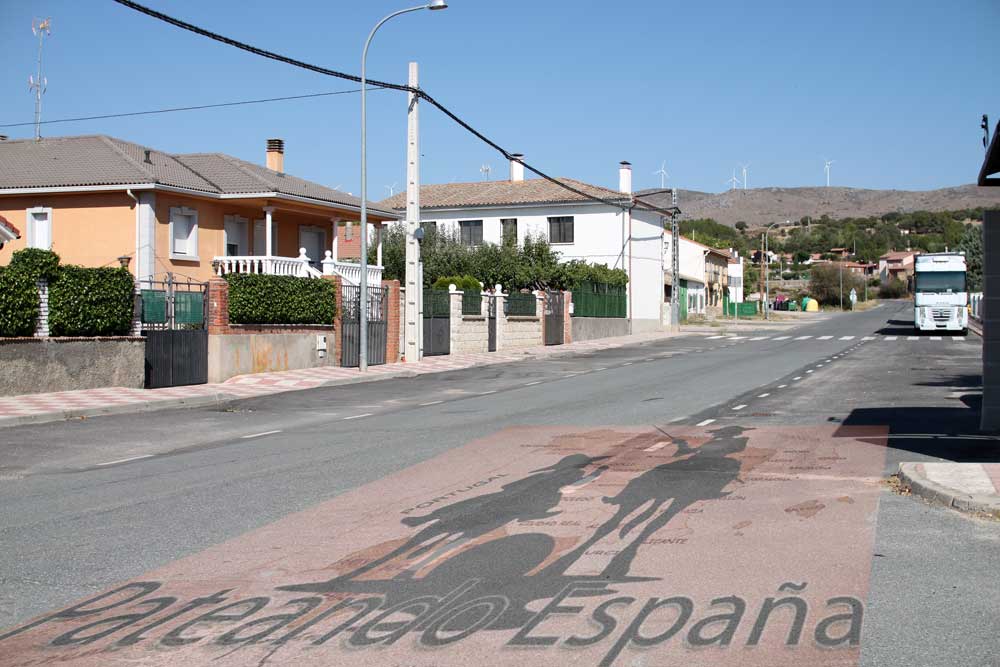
[40, 28]
[485, 171]
[662, 173]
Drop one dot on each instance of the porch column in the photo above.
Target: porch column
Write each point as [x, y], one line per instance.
[334, 238]
[378, 247]
[269, 250]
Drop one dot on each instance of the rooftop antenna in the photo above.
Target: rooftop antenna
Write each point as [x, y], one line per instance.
[745, 167]
[826, 168]
[662, 173]
[40, 28]
[391, 189]
[733, 182]
[485, 171]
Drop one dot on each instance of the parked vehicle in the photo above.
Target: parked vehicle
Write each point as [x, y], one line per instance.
[940, 298]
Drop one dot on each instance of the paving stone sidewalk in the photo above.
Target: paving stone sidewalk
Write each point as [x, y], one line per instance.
[34, 408]
[968, 487]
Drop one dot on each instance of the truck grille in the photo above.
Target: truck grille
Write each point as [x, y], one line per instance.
[941, 314]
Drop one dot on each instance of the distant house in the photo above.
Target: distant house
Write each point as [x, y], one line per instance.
[896, 265]
[95, 199]
[703, 277]
[841, 252]
[614, 234]
[8, 232]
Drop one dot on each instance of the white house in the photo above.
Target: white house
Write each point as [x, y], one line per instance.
[691, 281]
[615, 234]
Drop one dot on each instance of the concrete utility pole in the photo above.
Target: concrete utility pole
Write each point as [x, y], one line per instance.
[675, 264]
[414, 287]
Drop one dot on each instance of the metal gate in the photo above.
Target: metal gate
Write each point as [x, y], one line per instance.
[437, 322]
[491, 320]
[172, 314]
[378, 325]
[554, 302]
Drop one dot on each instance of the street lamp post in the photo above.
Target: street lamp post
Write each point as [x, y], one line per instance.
[363, 298]
[767, 272]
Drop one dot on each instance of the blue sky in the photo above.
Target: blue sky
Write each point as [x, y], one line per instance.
[892, 91]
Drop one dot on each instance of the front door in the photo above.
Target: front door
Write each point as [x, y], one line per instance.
[313, 240]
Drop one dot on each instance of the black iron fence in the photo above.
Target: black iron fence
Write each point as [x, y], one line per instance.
[599, 300]
[472, 303]
[522, 304]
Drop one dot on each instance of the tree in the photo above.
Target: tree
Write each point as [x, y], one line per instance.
[825, 281]
[741, 225]
[971, 244]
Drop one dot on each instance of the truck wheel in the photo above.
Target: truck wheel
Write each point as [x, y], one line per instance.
[964, 332]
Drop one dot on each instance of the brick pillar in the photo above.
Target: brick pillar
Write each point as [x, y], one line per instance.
[217, 318]
[567, 321]
[392, 335]
[339, 298]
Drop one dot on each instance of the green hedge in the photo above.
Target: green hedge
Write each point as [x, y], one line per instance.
[18, 303]
[36, 263]
[260, 299]
[91, 302]
[463, 283]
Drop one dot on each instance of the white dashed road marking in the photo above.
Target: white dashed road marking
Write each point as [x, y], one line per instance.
[935, 337]
[760, 338]
[763, 395]
[424, 405]
[705, 422]
[366, 414]
[847, 338]
[257, 435]
[824, 338]
[913, 338]
[782, 386]
[131, 458]
[782, 338]
[803, 337]
[890, 338]
[868, 338]
[738, 407]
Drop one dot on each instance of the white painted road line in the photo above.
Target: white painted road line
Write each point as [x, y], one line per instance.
[131, 458]
[714, 337]
[824, 338]
[659, 445]
[847, 338]
[601, 368]
[738, 407]
[782, 338]
[737, 337]
[257, 435]
[366, 414]
[486, 393]
[763, 395]
[629, 363]
[797, 378]
[809, 371]
[705, 422]
[890, 338]
[424, 405]
[677, 419]
[803, 337]
[868, 338]
[935, 337]
[913, 338]
[955, 339]
[532, 384]
[782, 386]
[760, 338]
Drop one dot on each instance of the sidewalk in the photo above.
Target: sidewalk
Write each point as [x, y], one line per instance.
[967, 487]
[36, 408]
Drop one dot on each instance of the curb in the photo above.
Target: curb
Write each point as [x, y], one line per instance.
[976, 327]
[942, 495]
[220, 399]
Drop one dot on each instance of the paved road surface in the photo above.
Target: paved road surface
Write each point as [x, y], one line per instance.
[700, 500]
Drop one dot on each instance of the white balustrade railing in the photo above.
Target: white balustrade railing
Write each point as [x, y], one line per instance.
[270, 265]
[350, 272]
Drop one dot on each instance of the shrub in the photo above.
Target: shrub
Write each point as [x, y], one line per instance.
[825, 284]
[35, 263]
[91, 302]
[18, 304]
[463, 283]
[261, 299]
[894, 289]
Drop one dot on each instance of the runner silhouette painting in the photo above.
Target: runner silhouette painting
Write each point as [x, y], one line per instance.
[450, 527]
[678, 484]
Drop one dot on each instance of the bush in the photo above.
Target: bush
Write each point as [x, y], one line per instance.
[463, 283]
[18, 304]
[894, 289]
[91, 302]
[35, 263]
[261, 299]
[824, 285]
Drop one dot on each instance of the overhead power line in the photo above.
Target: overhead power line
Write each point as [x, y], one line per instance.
[264, 53]
[191, 108]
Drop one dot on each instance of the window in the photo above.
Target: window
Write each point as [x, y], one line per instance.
[348, 230]
[561, 229]
[472, 232]
[183, 233]
[429, 226]
[40, 228]
[508, 230]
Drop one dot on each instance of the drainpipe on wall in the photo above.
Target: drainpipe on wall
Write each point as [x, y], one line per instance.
[128, 191]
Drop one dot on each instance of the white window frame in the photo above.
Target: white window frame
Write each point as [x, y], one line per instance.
[192, 238]
[243, 241]
[32, 227]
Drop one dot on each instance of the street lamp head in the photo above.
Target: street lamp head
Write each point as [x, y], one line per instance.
[437, 4]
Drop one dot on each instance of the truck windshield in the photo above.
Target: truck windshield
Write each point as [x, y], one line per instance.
[940, 281]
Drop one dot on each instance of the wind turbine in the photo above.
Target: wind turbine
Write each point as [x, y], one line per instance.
[733, 182]
[662, 173]
[826, 168]
[745, 167]
[485, 171]
[391, 189]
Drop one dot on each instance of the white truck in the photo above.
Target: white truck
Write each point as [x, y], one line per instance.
[940, 298]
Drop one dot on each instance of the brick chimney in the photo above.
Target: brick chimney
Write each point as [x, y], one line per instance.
[625, 177]
[516, 168]
[276, 155]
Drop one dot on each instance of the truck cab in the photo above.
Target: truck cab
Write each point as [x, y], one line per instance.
[940, 297]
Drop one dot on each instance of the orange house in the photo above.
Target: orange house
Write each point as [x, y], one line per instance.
[101, 201]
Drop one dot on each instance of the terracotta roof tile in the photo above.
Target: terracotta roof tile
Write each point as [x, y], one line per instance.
[501, 193]
[8, 230]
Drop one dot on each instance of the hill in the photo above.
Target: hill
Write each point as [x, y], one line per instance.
[762, 206]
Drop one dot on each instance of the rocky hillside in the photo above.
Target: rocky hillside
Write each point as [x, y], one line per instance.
[761, 206]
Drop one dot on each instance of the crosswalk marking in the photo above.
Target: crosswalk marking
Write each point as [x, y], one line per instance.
[890, 338]
[913, 338]
[847, 338]
[803, 337]
[760, 338]
[737, 337]
[935, 337]
[868, 338]
[782, 338]
[824, 338]
[714, 337]
[955, 339]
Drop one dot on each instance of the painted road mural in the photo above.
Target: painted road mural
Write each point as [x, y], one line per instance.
[638, 547]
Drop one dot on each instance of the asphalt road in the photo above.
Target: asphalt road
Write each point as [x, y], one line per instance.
[303, 492]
